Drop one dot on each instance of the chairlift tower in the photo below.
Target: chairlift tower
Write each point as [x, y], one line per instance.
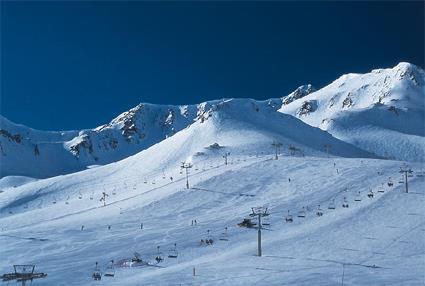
[23, 273]
[277, 146]
[259, 212]
[225, 157]
[406, 170]
[186, 166]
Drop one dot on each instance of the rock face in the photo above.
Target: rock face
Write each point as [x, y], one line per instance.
[300, 92]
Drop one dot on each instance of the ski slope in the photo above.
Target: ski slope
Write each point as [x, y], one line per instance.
[41, 221]
[377, 241]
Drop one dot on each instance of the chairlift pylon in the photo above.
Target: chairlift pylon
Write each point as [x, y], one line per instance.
[173, 253]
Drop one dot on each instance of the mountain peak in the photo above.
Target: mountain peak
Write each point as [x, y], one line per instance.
[299, 92]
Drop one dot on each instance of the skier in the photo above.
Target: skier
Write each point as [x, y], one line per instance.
[141, 225]
[171, 179]
[289, 180]
[109, 227]
[82, 227]
[196, 222]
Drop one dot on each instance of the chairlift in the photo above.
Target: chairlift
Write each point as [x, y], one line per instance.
[173, 253]
[332, 205]
[114, 191]
[381, 189]
[370, 194]
[390, 183]
[208, 240]
[159, 257]
[96, 273]
[247, 222]
[137, 258]
[145, 181]
[110, 270]
[54, 200]
[288, 217]
[302, 213]
[266, 221]
[67, 199]
[319, 211]
[224, 236]
[358, 197]
[80, 196]
[345, 203]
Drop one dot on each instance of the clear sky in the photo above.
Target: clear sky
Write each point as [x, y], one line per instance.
[73, 65]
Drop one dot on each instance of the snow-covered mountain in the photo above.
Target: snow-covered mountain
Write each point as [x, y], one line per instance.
[337, 218]
[381, 111]
[28, 152]
[44, 154]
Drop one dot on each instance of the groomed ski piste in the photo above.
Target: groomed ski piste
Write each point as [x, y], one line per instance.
[61, 225]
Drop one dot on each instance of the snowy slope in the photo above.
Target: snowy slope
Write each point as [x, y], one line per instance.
[381, 111]
[376, 241]
[28, 152]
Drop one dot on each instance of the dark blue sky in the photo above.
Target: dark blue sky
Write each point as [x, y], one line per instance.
[73, 65]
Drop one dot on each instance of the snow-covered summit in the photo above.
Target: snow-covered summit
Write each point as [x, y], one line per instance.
[381, 111]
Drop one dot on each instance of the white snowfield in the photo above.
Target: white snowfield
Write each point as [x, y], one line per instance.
[65, 224]
[381, 111]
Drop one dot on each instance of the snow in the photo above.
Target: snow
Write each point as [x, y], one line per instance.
[389, 103]
[60, 225]
[386, 231]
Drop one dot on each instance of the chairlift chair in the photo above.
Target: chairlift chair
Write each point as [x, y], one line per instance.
[54, 200]
[80, 196]
[370, 194]
[91, 196]
[302, 213]
[110, 270]
[358, 198]
[319, 211]
[332, 205]
[266, 221]
[289, 218]
[381, 188]
[173, 253]
[345, 203]
[159, 257]
[137, 258]
[96, 273]
[390, 183]
[224, 236]
[209, 240]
